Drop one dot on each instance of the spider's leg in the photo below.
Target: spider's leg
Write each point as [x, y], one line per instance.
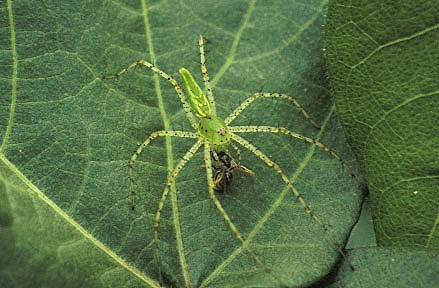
[296, 193]
[139, 150]
[238, 235]
[169, 78]
[255, 96]
[206, 75]
[165, 193]
[237, 150]
[239, 165]
[270, 129]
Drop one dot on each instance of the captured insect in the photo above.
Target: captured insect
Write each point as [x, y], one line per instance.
[216, 135]
[225, 164]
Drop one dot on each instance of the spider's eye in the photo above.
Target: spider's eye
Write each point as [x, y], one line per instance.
[222, 131]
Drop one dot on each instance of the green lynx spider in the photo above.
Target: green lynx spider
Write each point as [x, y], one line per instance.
[216, 135]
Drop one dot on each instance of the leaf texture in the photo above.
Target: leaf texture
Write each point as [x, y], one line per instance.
[67, 136]
[382, 61]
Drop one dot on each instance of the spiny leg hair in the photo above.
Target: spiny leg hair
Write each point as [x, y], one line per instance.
[180, 134]
[270, 129]
[169, 78]
[296, 193]
[244, 243]
[255, 96]
[165, 193]
[205, 75]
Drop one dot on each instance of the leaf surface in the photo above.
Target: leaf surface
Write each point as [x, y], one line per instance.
[382, 61]
[67, 135]
[390, 267]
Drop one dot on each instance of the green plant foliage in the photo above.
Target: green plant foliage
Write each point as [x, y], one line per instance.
[43, 247]
[382, 61]
[390, 267]
[67, 137]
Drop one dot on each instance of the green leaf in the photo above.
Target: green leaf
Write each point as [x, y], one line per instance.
[67, 136]
[382, 61]
[43, 247]
[362, 234]
[390, 267]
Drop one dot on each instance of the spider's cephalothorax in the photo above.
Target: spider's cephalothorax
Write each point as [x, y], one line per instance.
[215, 132]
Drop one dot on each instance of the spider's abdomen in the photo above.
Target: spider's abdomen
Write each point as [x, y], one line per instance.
[197, 99]
[215, 132]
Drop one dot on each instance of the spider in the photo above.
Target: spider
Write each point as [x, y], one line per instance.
[216, 136]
